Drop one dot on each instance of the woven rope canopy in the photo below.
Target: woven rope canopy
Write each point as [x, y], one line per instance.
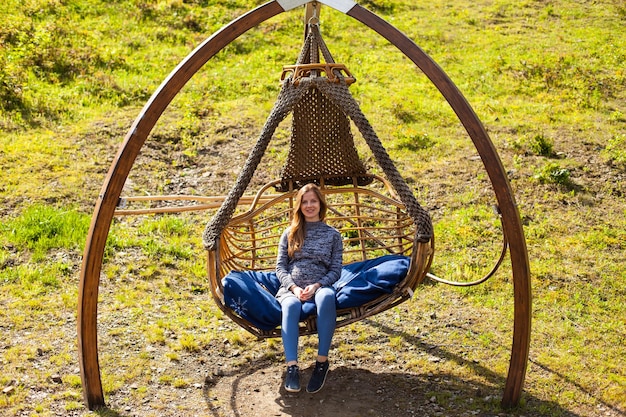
[322, 145]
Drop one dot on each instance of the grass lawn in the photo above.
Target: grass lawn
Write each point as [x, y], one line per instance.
[547, 79]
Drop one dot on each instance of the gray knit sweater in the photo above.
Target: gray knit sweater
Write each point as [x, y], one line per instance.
[319, 260]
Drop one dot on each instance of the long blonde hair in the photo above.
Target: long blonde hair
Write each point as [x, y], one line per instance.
[296, 233]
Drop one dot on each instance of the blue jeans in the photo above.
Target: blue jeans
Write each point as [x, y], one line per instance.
[326, 320]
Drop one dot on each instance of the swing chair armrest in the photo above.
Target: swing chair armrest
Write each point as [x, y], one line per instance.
[421, 259]
[214, 273]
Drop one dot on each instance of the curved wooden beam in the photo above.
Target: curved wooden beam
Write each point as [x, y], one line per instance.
[152, 111]
[114, 182]
[506, 201]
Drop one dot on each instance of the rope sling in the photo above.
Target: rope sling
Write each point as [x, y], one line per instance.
[337, 160]
[322, 151]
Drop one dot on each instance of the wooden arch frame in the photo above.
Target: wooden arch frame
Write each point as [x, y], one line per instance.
[135, 138]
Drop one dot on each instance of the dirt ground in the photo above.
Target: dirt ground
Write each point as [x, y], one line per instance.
[354, 388]
[349, 391]
[362, 386]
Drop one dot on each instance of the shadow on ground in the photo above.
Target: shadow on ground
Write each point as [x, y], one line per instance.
[367, 388]
[351, 392]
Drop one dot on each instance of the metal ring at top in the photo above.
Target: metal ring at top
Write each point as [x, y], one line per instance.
[314, 19]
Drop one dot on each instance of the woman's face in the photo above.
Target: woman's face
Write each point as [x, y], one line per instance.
[310, 206]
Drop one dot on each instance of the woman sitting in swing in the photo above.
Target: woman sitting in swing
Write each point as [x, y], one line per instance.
[308, 264]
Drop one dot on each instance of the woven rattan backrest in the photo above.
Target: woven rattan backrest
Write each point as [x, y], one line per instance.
[372, 221]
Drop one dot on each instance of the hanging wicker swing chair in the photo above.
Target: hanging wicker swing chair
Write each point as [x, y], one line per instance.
[374, 220]
[377, 215]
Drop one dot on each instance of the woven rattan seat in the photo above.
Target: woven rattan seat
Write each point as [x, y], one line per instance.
[322, 151]
[372, 221]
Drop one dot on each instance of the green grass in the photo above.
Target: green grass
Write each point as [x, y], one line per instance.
[40, 229]
[546, 78]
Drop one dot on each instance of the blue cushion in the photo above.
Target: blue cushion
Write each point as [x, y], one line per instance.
[267, 279]
[251, 294]
[365, 281]
[244, 295]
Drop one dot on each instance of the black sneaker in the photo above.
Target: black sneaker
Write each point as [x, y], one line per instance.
[318, 378]
[292, 380]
